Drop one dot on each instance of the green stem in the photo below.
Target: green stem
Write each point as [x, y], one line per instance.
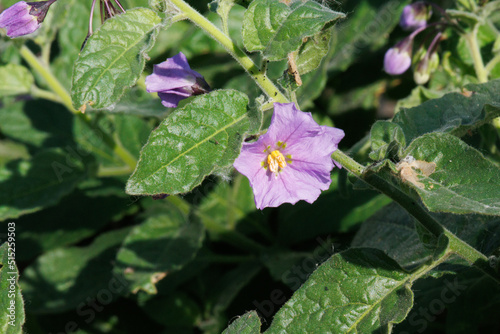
[475, 51]
[51, 81]
[456, 245]
[64, 98]
[44, 94]
[114, 171]
[492, 63]
[256, 74]
[348, 163]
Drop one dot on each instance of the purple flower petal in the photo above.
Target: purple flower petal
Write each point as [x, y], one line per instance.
[415, 16]
[396, 61]
[306, 147]
[174, 80]
[18, 21]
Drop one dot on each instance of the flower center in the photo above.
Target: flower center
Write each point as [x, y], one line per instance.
[276, 160]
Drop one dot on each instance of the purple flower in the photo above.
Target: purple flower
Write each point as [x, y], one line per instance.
[174, 81]
[291, 161]
[24, 17]
[398, 59]
[415, 16]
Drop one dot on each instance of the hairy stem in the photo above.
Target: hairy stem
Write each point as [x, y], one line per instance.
[471, 39]
[255, 73]
[456, 245]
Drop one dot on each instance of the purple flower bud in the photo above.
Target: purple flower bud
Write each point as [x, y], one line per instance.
[398, 59]
[415, 16]
[23, 18]
[174, 81]
[425, 67]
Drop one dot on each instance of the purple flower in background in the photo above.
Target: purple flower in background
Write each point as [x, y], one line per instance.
[23, 18]
[415, 16]
[398, 58]
[174, 81]
[292, 160]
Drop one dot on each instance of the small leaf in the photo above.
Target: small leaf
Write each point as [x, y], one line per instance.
[276, 29]
[312, 51]
[387, 140]
[11, 301]
[113, 58]
[249, 323]
[463, 182]
[356, 291]
[164, 243]
[30, 185]
[15, 80]
[455, 113]
[191, 143]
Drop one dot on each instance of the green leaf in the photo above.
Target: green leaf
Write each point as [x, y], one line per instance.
[164, 243]
[276, 29]
[454, 113]
[113, 58]
[312, 51]
[11, 301]
[63, 279]
[191, 143]
[392, 230]
[464, 181]
[15, 80]
[356, 291]
[249, 323]
[10, 150]
[30, 185]
[387, 140]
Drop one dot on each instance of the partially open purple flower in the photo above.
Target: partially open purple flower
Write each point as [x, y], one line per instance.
[415, 16]
[398, 58]
[23, 18]
[291, 161]
[174, 81]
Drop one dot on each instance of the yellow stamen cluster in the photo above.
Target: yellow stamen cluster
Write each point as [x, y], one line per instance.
[276, 160]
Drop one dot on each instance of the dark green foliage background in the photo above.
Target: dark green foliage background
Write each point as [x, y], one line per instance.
[94, 260]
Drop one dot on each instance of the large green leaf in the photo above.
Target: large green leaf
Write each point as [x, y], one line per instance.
[164, 243]
[30, 185]
[11, 300]
[249, 323]
[15, 80]
[276, 29]
[463, 182]
[455, 113]
[392, 230]
[356, 291]
[113, 58]
[191, 143]
[70, 278]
